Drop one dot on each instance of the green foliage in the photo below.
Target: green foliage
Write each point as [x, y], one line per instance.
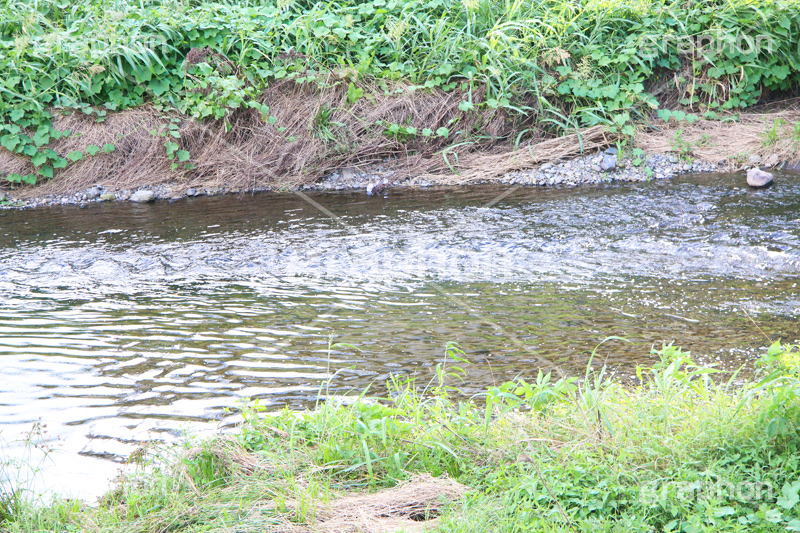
[681, 146]
[687, 448]
[561, 64]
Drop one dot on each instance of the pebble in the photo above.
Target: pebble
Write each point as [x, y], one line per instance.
[588, 169]
[143, 196]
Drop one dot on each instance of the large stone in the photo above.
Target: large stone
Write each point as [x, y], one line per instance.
[93, 193]
[758, 178]
[608, 163]
[107, 197]
[143, 196]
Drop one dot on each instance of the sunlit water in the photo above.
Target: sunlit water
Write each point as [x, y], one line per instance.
[127, 323]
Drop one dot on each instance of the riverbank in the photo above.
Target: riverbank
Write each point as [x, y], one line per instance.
[604, 166]
[768, 140]
[173, 98]
[688, 449]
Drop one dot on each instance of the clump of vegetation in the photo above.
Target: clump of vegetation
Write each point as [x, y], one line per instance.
[688, 449]
[544, 67]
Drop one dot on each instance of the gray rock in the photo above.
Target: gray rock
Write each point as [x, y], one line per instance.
[611, 151]
[758, 178]
[93, 193]
[673, 159]
[755, 160]
[609, 163]
[546, 166]
[143, 196]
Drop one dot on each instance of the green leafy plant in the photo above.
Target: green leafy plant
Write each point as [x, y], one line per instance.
[550, 68]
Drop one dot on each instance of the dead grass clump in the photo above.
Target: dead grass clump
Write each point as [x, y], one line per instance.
[482, 166]
[412, 506]
[772, 134]
[217, 463]
[316, 130]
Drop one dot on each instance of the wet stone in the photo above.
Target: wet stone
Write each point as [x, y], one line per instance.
[609, 163]
[758, 178]
[143, 196]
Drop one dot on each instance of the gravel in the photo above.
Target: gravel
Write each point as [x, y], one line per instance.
[601, 167]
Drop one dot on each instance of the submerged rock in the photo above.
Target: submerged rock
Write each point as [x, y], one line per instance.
[143, 196]
[758, 178]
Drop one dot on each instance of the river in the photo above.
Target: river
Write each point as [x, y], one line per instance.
[123, 324]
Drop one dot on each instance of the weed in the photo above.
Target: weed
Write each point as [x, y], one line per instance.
[686, 447]
[772, 135]
[684, 149]
[551, 66]
[323, 126]
[17, 474]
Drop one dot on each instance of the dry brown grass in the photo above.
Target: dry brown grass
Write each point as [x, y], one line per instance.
[412, 506]
[733, 141]
[254, 154]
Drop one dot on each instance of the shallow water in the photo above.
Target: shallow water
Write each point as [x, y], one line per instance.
[126, 323]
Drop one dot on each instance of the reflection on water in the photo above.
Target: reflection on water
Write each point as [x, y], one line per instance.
[126, 323]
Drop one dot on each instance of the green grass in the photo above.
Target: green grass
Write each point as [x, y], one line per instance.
[549, 65]
[678, 452]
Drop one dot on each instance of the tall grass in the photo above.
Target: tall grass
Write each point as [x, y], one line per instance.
[680, 451]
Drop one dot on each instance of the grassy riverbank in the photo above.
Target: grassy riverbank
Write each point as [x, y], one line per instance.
[256, 93]
[679, 452]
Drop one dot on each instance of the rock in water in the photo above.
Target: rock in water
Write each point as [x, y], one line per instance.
[609, 162]
[758, 178]
[143, 196]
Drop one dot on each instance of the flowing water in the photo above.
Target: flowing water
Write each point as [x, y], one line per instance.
[123, 324]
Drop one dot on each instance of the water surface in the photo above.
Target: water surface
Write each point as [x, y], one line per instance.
[128, 323]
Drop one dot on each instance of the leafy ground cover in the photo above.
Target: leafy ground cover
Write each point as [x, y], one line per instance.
[487, 72]
[687, 449]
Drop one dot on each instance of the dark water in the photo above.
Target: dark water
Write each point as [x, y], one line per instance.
[126, 323]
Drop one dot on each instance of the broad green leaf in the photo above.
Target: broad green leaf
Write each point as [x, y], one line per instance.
[789, 495]
[9, 142]
[39, 159]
